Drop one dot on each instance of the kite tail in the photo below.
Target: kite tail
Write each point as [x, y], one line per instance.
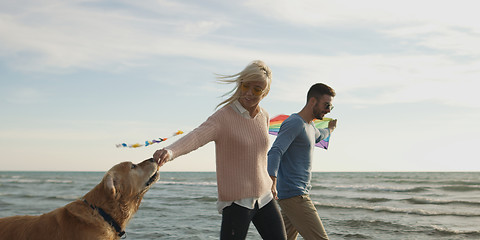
[147, 143]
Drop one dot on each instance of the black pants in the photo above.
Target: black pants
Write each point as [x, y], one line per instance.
[268, 221]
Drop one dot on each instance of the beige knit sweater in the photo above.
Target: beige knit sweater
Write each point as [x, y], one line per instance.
[241, 147]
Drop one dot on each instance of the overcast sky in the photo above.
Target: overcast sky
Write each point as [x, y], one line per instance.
[79, 77]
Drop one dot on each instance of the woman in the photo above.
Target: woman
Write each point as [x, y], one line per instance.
[240, 132]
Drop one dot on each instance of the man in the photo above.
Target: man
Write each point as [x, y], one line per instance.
[290, 159]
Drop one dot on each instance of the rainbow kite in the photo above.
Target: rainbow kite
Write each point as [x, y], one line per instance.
[277, 121]
[147, 143]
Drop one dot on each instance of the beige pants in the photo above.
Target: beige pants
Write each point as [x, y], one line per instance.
[300, 216]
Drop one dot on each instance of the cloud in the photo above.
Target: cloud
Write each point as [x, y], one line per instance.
[433, 51]
[435, 57]
[455, 40]
[368, 12]
[24, 95]
[444, 26]
[383, 79]
[72, 35]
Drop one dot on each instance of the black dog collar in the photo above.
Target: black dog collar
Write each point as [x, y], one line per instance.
[107, 218]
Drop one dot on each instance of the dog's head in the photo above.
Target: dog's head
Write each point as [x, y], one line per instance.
[117, 197]
[128, 180]
[124, 186]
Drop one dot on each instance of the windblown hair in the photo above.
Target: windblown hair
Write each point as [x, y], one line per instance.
[255, 71]
[319, 89]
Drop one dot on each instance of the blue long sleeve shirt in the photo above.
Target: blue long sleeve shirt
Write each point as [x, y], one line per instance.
[290, 158]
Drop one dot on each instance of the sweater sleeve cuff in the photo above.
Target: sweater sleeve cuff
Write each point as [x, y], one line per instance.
[170, 155]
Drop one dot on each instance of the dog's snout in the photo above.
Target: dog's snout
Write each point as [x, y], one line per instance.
[151, 160]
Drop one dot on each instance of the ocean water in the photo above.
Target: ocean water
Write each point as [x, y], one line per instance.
[182, 205]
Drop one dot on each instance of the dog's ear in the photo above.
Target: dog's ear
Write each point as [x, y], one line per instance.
[110, 185]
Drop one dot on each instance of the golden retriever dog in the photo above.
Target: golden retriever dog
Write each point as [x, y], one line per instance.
[103, 213]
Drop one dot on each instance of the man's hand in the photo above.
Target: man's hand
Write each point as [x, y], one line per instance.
[274, 187]
[332, 125]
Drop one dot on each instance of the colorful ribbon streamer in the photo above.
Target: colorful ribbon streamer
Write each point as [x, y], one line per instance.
[147, 143]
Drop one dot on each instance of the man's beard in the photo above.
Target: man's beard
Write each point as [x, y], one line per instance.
[317, 114]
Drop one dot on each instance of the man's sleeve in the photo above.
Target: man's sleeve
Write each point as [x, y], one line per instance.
[287, 133]
[322, 134]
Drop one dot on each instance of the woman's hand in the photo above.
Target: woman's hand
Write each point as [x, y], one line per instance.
[162, 156]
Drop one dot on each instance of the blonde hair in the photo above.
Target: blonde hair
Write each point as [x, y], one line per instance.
[254, 71]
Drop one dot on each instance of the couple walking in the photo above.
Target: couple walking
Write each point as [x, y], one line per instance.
[249, 175]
